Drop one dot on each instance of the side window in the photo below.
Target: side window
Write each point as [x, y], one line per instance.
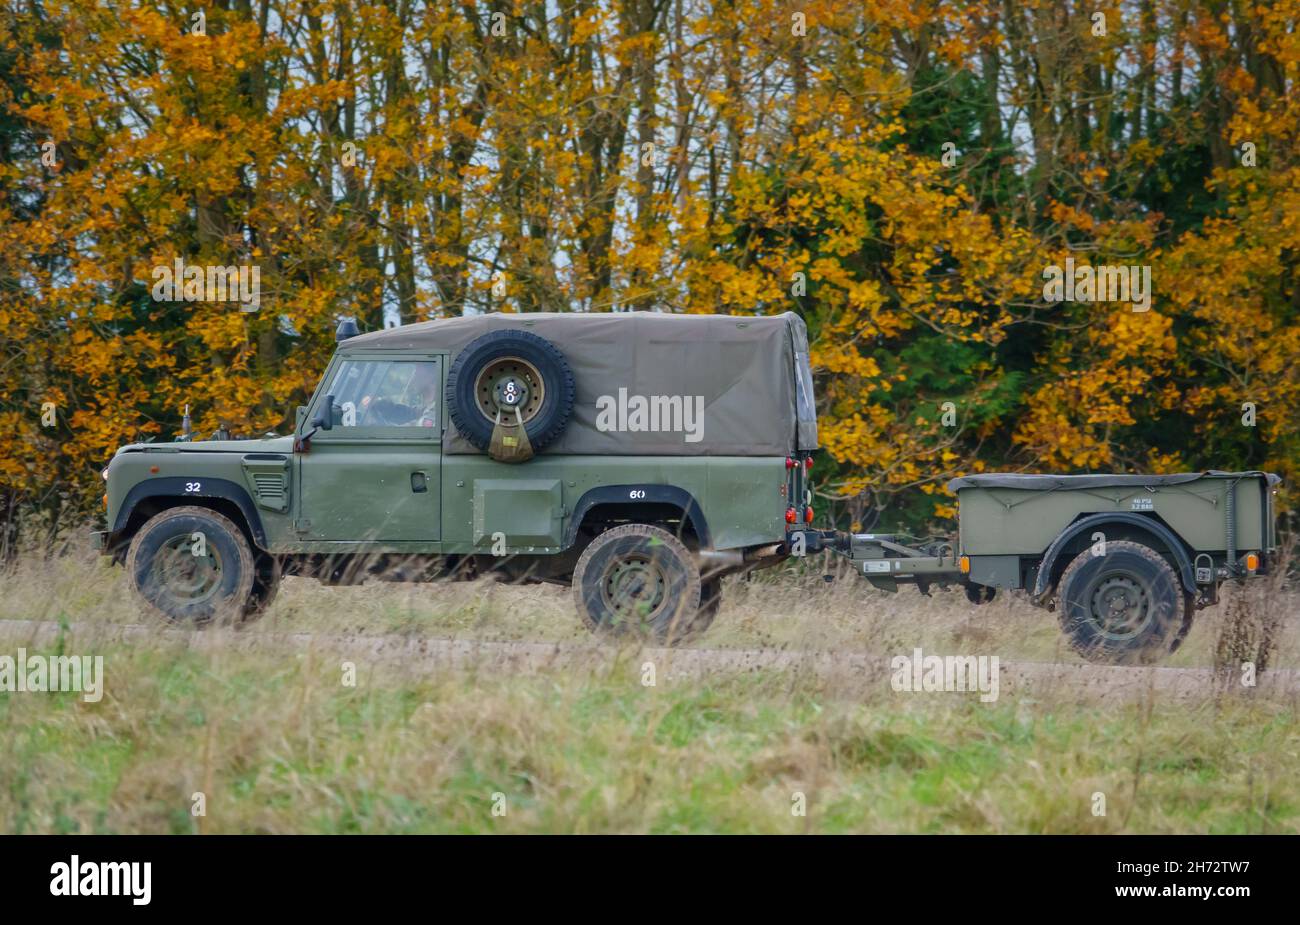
[387, 393]
[807, 410]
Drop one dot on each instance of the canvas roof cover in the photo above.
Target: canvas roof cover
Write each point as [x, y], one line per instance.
[747, 377]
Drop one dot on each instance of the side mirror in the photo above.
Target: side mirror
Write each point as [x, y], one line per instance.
[325, 420]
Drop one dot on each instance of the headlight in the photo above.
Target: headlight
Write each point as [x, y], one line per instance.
[104, 473]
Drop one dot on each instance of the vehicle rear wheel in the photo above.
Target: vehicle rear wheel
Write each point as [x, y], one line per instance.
[1124, 607]
[710, 604]
[191, 565]
[640, 579]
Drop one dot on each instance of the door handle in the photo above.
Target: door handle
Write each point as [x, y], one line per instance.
[419, 482]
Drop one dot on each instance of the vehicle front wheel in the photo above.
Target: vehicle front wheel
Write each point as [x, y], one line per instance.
[639, 578]
[1124, 607]
[266, 585]
[191, 565]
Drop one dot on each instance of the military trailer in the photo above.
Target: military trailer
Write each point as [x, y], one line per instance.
[1125, 560]
[640, 458]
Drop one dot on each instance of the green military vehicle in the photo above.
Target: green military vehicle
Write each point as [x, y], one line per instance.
[639, 457]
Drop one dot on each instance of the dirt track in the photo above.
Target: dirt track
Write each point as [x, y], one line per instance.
[844, 674]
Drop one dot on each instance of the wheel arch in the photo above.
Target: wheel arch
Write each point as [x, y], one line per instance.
[643, 503]
[1134, 527]
[146, 499]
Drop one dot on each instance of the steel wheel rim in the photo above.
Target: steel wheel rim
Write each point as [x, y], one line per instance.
[634, 587]
[500, 372]
[184, 578]
[1121, 606]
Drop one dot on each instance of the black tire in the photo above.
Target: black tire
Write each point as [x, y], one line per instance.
[980, 594]
[266, 585]
[710, 604]
[1125, 607]
[639, 579]
[180, 585]
[554, 407]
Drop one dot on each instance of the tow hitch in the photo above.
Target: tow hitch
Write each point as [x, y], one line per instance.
[882, 559]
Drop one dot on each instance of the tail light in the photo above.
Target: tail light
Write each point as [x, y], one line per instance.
[808, 463]
[790, 516]
[808, 514]
[790, 463]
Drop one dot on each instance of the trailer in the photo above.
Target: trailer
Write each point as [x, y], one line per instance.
[1124, 560]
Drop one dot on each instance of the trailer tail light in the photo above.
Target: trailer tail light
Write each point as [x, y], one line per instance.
[964, 565]
[807, 463]
[790, 463]
[1252, 562]
[808, 514]
[790, 516]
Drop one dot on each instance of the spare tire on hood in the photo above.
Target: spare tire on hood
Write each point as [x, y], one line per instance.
[514, 375]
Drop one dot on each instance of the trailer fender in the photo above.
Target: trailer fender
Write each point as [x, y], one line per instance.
[1182, 561]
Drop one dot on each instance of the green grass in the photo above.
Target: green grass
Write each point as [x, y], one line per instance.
[277, 743]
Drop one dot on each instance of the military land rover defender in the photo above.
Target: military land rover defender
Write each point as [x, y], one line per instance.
[638, 456]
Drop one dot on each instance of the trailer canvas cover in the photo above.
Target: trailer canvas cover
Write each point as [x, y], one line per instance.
[654, 384]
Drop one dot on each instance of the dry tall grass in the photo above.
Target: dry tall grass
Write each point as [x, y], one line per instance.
[277, 743]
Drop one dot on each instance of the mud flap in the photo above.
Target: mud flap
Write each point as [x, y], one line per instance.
[510, 443]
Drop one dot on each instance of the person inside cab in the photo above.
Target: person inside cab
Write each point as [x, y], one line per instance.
[412, 404]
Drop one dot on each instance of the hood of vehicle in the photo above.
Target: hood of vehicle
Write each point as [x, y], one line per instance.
[260, 445]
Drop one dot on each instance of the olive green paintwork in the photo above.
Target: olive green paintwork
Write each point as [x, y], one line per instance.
[1009, 521]
[351, 493]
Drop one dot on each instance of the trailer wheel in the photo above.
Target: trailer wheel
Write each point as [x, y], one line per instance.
[1124, 607]
[980, 594]
[640, 579]
[192, 565]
